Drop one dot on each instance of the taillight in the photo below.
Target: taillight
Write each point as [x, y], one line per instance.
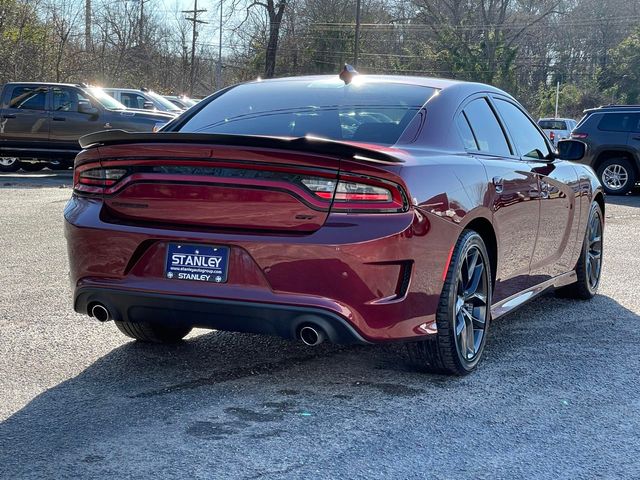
[93, 180]
[579, 135]
[354, 195]
[552, 136]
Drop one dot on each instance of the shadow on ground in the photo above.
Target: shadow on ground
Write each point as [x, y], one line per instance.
[555, 370]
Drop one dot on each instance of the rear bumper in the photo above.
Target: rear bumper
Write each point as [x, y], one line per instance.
[236, 316]
[383, 278]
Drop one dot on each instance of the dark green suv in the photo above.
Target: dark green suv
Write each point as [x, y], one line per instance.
[42, 122]
[612, 135]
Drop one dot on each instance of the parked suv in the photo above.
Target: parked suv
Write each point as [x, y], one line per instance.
[612, 134]
[42, 122]
[557, 129]
[143, 99]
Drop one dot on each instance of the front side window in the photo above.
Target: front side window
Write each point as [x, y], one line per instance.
[64, 100]
[526, 137]
[372, 112]
[132, 100]
[28, 98]
[487, 131]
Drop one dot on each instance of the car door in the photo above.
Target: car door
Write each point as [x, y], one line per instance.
[559, 188]
[24, 122]
[68, 124]
[513, 197]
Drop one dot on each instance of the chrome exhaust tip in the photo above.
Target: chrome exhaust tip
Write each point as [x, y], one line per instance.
[100, 312]
[311, 336]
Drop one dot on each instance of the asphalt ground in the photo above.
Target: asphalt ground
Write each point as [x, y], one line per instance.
[556, 396]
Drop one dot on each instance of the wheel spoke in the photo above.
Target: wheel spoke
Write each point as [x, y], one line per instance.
[471, 260]
[471, 339]
[474, 281]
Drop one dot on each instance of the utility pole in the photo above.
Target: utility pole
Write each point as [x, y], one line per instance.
[141, 22]
[356, 46]
[219, 66]
[195, 12]
[557, 98]
[87, 25]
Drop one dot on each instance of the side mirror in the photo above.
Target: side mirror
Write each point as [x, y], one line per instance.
[86, 107]
[148, 105]
[571, 150]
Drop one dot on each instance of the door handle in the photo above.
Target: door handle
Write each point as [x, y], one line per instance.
[498, 183]
[9, 115]
[59, 119]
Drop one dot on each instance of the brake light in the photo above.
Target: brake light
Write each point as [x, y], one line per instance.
[579, 135]
[358, 196]
[93, 180]
[552, 136]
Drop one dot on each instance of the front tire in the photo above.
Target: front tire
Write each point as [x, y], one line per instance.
[589, 267]
[152, 332]
[463, 314]
[9, 164]
[617, 176]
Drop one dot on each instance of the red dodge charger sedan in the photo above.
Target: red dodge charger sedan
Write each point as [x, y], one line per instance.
[360, 209]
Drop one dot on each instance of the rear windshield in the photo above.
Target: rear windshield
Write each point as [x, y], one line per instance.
[552, 125]
[364, 112]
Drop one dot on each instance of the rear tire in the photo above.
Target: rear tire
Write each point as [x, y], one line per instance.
[9, 164]
[617, 176]
[589, 265]
[32, 167]
[152, 332]
[463, 314]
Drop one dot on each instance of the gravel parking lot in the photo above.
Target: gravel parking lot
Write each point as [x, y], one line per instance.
[557, 394]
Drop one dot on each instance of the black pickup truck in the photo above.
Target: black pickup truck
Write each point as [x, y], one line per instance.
[40, 123]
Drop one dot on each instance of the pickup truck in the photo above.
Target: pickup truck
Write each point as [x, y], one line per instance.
[40, 123]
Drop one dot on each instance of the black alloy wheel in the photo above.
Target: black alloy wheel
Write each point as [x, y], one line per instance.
[464, 312]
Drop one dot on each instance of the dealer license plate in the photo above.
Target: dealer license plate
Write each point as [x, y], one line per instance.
[203, 263]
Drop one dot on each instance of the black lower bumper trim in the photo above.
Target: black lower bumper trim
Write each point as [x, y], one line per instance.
[229, 315]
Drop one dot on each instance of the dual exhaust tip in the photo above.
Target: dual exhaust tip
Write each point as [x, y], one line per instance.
[100, 312]
[309, 334]
[312, 335]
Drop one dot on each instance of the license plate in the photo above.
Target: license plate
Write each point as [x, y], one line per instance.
[202, 263]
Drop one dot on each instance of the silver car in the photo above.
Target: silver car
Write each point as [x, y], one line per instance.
[557, 128]
[143, 100]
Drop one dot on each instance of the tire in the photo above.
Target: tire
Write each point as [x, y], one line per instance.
[9, 164]
[444, 352]
[32, 167]
[589, 266]
[617, 176]
[62, 165]
[152, 332]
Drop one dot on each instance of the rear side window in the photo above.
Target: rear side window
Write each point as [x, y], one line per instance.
[372, 112]
[619, 122]
[486, 129]
[28, 98]
[526, 137]
[466, 134]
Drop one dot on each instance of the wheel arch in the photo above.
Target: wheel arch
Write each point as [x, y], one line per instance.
[599, 197]
[483, 227]
[609, 153]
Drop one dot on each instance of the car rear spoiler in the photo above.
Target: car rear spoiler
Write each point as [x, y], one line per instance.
[307, 144]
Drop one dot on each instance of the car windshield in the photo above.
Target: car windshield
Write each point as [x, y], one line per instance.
[552, 125]
[106, 100]
[373, 112]
[166, 104]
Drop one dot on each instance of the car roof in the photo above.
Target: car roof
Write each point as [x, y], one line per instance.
[49, 84]
[432, 82]
[547, 119]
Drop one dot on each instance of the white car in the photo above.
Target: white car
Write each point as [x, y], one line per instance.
[143, 99]
[557, 128]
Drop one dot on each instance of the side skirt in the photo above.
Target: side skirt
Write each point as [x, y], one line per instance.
[515, 301]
